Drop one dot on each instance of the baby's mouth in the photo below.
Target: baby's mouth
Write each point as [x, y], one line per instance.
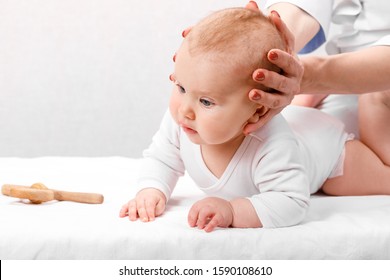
[188, 129]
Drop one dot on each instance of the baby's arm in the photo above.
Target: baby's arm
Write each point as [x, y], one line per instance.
[213, 212]
[159, 171]
[148, 204]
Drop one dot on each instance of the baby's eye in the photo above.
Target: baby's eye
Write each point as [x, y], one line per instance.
[206, 103]
[181, 89]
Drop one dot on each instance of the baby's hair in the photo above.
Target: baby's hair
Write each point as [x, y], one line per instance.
[239, 36]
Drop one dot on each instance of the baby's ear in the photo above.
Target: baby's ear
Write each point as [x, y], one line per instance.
[261, 111]
[257, 120]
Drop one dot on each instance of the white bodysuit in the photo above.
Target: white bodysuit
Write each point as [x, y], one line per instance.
[276, 167]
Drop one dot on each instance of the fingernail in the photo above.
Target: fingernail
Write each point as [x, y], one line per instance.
[256, 96]
[260, 76]
[275, 13]
[273, 56]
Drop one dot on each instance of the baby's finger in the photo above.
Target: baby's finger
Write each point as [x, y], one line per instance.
[124, 211]
[132, 210]
[204, 217]
[141, 209]
[150, 208]
[160, 207]
[143, 216]
[213, 223]
[193, 215]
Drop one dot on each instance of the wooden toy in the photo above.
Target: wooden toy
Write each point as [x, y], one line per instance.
[39, 193]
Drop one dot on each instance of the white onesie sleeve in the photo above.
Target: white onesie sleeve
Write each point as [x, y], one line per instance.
[282, 182]
[162, 166]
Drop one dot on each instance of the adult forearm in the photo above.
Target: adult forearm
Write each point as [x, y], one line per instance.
[362, 71]
[301, 24]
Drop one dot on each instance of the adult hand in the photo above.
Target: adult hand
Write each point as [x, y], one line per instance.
[285, 86]
[148, 204]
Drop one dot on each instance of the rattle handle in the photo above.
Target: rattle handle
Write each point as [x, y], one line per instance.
[93, 198]
[6, 189]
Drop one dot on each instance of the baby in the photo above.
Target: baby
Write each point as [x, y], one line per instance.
[263, 179]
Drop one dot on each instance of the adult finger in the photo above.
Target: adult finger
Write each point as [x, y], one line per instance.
[289, 63]
[287, 35]
[252, 5]
[277, 83]
[186, 31]
[269, 100]
[272, 100]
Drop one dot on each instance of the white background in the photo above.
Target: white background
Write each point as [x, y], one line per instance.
[90, 77]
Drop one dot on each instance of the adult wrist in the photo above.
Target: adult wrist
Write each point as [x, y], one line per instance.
[313, 72]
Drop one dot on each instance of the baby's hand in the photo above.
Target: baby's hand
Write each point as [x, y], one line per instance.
[148, 204]
[211, 212]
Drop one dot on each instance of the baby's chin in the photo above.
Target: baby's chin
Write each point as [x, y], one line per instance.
[194, 137]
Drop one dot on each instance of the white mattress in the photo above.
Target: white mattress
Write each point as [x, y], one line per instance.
[335, 227]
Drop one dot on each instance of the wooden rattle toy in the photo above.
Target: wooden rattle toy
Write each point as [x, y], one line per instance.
[39, 193]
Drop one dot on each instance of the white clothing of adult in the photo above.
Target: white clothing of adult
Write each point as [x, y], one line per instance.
[356, 24]
[276, 167]
[362, 23]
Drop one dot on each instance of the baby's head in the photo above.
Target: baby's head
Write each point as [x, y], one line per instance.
[238, 37]
[213, 74]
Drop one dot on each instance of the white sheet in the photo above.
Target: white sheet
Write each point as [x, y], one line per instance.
[335, 227]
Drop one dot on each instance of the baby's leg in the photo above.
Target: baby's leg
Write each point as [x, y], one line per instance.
[367, 163]
[374, 123]
[364, 173]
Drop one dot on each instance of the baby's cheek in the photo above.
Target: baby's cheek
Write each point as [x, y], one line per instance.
[174, 105]
[214, 132]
